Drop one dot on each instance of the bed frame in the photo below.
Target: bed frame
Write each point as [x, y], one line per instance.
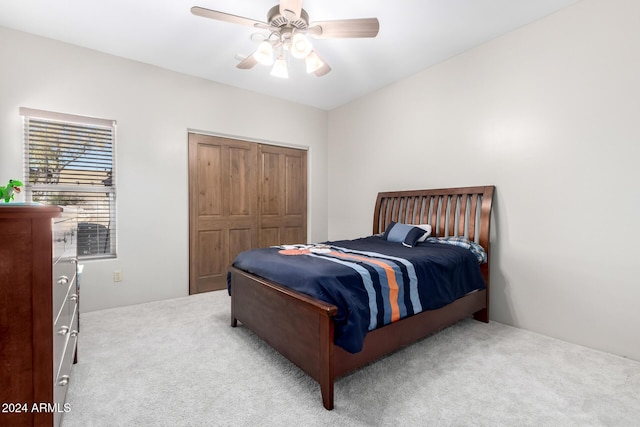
[301, 327]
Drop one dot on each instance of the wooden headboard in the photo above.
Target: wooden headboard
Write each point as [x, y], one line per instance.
[464, 211]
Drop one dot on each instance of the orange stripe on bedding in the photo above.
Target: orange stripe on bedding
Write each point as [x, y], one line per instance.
[391, 279]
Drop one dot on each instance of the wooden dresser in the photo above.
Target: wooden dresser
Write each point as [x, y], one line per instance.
[38, 312]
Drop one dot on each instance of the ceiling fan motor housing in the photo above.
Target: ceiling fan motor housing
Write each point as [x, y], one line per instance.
[275, 19]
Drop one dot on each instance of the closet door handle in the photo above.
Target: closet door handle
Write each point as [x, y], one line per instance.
[63, 330]
[73, 297]
[63, 280]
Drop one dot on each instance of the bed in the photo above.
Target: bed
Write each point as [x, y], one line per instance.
[303, 328]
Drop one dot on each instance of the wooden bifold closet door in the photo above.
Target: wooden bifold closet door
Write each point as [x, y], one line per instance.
[242, 195]
[282, 199]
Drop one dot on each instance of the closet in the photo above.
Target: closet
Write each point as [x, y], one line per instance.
[242, 195]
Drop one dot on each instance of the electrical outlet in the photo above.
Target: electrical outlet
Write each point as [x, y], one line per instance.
[117, 276]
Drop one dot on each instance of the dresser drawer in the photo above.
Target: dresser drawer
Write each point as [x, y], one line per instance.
[58, 243]
[64, 279]
[62, 370]
[64, 325]
[64, 237]
[63, 365]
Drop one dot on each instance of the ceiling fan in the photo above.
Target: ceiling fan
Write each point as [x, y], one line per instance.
[288, 25]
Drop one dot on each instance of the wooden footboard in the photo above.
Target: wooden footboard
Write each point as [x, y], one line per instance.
[298, 326]
[301, 328]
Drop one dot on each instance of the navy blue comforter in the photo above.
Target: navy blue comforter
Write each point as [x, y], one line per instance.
[372, 281]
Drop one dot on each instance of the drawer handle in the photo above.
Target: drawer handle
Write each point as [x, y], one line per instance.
[63, 280]
[63, 330]
[74, 333]
[73, 297]
[64, 239]
[64, 380]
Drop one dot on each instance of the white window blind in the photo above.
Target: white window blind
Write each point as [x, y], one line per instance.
[70, 161]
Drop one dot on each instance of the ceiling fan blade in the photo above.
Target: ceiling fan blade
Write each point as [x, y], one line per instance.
[324, 69]
[247, 62]
[290, 9]
[345, 28]
[227, 17]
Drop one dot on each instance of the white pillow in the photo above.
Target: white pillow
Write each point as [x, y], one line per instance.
[425, 227]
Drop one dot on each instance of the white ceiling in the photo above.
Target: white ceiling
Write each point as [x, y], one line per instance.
[414, 34]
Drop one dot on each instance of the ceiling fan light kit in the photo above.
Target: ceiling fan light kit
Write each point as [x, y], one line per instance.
[288, 26]
[264, 54]
[280, 68]
[300, 46]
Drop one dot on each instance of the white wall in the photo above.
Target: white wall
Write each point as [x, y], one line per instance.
[154, 109]
[550, 114]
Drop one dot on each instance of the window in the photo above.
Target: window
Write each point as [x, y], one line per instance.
[69, 161]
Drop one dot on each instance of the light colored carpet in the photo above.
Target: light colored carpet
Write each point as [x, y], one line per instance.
[179, 363]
